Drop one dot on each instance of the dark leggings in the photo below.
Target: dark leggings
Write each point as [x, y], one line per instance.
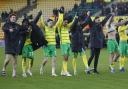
[95, 52]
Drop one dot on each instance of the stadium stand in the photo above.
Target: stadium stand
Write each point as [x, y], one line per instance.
[6, 5]
[120, 8]
[71, 7]
[48, 5]
[1, 35]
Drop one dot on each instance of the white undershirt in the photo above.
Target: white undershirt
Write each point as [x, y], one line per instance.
[112, 35]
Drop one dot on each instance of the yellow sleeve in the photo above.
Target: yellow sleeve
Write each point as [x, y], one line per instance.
[126, 27]
[122, 28]
[60, 21]
[70, 24]
[41, 22]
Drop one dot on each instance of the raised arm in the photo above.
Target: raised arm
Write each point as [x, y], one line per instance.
[73, 27]
[71, 23]
[109, 22]
[59, 21]
[42, 22]
[87, 21]
[36, 19]
[120, 30]
[105, 19]
[120, 23]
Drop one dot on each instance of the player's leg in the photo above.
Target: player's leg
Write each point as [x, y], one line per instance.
[74, 62]
[46, 55]
[85, 61]
[123, 57]
[65, 52]
[52, 54]
[14, 64]
[116, 52]
[64, 63]
[111, 49]
[97, 54]
[54, 66]
[6, 62]
[31, 59]
[91, 56]
[116, 57]
[45, 60]
[111, 62]
[24, 66]
[30, 65]
[121, 63]
[123, 50]
[24, 63]
[64, 67]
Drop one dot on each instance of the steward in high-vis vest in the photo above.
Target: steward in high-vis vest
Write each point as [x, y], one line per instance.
[50, 49]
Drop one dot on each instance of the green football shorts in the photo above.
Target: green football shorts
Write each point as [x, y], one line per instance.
[27, 52]
[49, 51]
[112, 46]
[65, 49]
[123, 47]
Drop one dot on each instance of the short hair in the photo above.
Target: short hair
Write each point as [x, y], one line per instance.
[12, 14]
[96, 18]
[120, 20]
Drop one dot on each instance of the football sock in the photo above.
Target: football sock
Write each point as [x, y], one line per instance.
[53, 65]
[24, 65]
[74, 64]
[30, 64]
[85, 61]
[122, 62]
[65, 66]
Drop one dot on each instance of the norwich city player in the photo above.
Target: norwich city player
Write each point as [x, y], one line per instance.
[112, 44]
[65, 44]
[123, 47]
[77, 40]
[27, 51]
[50, 49]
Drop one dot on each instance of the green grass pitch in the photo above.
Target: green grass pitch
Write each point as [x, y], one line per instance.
[105, 80]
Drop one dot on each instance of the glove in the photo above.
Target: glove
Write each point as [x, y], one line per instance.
[61, 10]
[40, 12]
